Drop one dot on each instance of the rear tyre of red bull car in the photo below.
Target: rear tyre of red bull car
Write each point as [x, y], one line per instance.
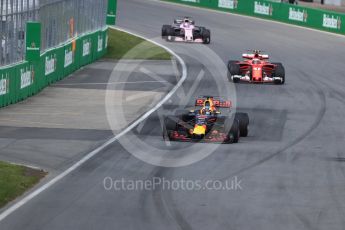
[231, 126]
[243, 119]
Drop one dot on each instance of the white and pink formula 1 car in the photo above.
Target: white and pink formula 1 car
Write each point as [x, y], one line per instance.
[184, 30]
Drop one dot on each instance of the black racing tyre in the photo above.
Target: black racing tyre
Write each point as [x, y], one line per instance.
[235, 131]
[279, 72]
[233, 69]
[165, 29]
[169, 126]
[243, 119]
[170, 123]
[236, 80]
[184, 115]
[232, 127]
[170, 33]
[206, 36]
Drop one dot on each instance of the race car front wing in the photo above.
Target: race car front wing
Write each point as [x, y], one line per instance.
[215, 138]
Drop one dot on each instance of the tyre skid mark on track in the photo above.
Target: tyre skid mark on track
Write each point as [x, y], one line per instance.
[162, 208]
[339, 158]
[330, 186]
[167, 204]
[144, 201]
[305, 220]
[299, 139]
[334, 195]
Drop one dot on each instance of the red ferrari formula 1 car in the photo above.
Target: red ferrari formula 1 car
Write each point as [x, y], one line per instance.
[206, 123]
[255, 68]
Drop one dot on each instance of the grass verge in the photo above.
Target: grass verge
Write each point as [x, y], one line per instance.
[15, 180]
[122, 45]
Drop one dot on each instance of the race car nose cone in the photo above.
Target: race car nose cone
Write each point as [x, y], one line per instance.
[199, 130]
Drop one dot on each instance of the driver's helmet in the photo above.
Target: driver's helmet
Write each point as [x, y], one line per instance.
[256, 61]
[186, 24]
[206, 110]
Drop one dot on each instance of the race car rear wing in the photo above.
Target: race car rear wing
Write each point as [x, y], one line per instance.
[216, 102]
[181, 20]
[252, 56]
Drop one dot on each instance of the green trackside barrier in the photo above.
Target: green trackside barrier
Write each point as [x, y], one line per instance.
[70, 63]
[39, 78]
[102, 46]
[22, 80]
[95, 41]
[287, 13]
[316, 19]
[99, 49]
[7, 85]
[27, 78]
[25, 81]
[105, 43]
[53, 65]
[84, 50]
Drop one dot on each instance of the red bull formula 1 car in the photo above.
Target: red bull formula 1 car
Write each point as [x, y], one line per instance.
[206, 123]
[184, 30]
[255, 68]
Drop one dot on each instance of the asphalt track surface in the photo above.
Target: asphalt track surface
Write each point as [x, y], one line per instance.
[67, 120]
[291, 166]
